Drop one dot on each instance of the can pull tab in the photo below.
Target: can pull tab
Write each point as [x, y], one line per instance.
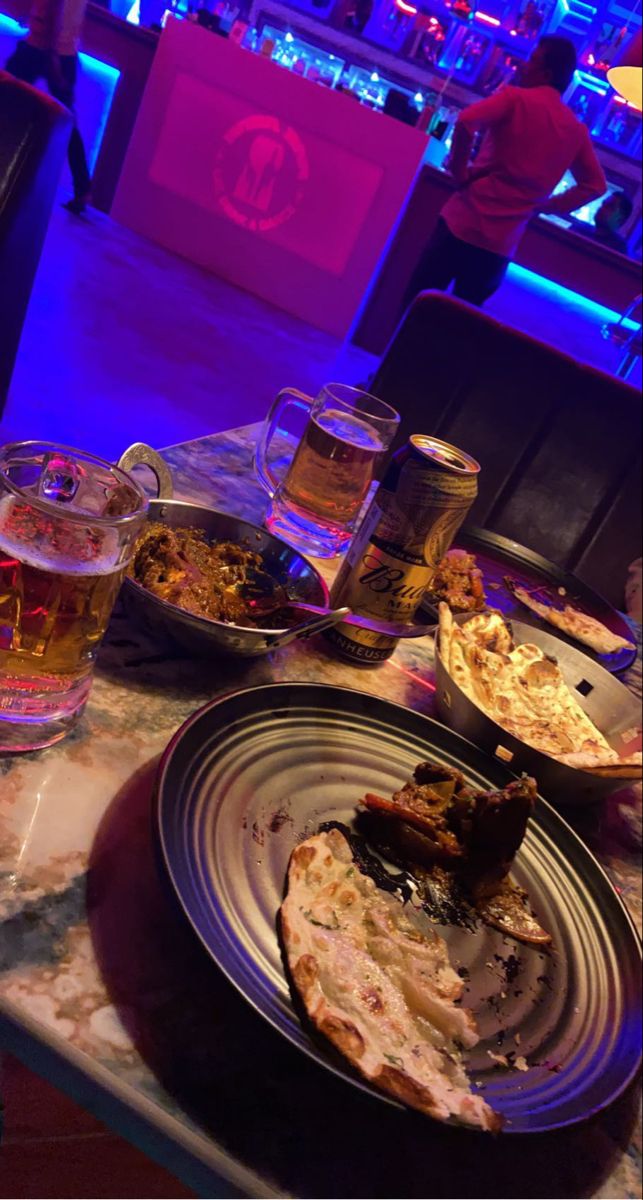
[60, 479]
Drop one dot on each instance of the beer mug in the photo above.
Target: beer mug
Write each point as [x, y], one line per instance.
[68, 524]
[317, 504]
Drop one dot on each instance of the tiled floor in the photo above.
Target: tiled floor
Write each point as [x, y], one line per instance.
[52, 1148]
[123, 342]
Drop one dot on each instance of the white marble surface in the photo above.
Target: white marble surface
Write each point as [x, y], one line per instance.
[98, 974]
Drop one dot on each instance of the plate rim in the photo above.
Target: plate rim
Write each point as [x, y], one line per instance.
[543, 805]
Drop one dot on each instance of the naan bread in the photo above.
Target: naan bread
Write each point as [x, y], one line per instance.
[525, 692]
[371, 982]
[491, 632]
[621, 768]
[576, 624]
[446, 627]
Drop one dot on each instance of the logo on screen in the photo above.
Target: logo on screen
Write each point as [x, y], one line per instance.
[261, 173]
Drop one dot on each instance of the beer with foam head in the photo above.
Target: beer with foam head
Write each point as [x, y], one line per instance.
[67, 529]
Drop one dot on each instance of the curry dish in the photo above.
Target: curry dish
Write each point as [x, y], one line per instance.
[182, 567]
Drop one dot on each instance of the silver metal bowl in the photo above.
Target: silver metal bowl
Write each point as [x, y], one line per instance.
[200, 635]
[607, 702]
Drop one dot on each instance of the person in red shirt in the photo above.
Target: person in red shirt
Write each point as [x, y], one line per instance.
[530, 138]
[50, 52]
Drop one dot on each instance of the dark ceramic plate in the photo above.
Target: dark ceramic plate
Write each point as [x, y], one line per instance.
[252, 774]
[499, 558]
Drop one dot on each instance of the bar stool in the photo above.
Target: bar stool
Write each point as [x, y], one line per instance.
[627, 337]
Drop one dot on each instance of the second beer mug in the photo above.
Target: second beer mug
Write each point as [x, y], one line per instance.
[316, 505]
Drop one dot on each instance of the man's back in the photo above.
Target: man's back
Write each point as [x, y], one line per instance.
[530, 139]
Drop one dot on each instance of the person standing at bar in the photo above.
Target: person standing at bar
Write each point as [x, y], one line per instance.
[49, 52]
[530, 138]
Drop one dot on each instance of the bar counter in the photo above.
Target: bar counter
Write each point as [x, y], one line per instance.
[106, 992]
[558, 254]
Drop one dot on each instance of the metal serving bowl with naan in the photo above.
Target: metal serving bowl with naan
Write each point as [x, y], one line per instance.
[539, 705]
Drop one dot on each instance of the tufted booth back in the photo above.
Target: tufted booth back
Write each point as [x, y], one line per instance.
[559, 443]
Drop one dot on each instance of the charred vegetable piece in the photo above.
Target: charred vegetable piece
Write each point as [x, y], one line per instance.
[499, 825]
[424, 840]
[437, 823]
[508, 910]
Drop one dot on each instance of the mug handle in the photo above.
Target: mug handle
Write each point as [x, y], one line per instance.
[263, 470]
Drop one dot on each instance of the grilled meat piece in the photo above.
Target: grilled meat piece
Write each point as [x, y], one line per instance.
[436, 773]
[499, 825]
[459, 581]
[461, 840]
[441, 821]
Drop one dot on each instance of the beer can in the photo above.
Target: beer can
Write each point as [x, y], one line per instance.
[426, 493]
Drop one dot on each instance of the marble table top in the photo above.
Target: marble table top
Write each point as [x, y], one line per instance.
[104, 990]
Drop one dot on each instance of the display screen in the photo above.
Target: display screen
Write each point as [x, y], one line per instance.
[587, 213]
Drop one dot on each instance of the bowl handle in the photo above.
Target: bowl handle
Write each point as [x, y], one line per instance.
[141, 455]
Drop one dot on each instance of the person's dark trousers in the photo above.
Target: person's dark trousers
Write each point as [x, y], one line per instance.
[31, 64]
[475, 273]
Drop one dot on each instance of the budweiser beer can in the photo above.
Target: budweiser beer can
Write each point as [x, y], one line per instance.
[418, 508]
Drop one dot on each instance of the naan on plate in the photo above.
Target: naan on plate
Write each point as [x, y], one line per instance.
[575, 624]
[379, 989]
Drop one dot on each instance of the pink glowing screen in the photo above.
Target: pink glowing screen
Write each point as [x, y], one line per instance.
[300, 190]
[266, 179]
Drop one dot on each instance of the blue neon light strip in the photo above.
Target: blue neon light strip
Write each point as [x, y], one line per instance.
[102, 75]
[103, 70]
[559, 294]
[100, 69]
[8, 25]
[591, 82]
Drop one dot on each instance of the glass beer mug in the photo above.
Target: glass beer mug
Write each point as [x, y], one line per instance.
[316, 506]
[68, 523]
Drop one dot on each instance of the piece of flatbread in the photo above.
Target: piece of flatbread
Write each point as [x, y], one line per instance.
[446, 626]
[491, 631]
[380, 990]
[525, 692]
[621, 768]
[576, 624]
